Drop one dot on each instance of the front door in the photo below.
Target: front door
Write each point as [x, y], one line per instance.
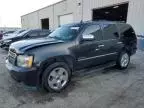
[88, 52]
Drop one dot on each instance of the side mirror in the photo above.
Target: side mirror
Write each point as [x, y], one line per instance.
[88, 37]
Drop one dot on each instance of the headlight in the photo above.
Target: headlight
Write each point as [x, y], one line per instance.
[25, 61]
[7, 41]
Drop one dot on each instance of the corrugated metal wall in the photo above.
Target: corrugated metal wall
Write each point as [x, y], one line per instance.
[33, 20]
[66, 7]
[83, 11]
[53, 12]
[30, 21]
[46, 13]
[136, 15]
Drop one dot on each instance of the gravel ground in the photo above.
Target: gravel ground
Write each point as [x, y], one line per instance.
[91, 88]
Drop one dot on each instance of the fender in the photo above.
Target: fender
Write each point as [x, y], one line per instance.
[68, 59]
[46, 55]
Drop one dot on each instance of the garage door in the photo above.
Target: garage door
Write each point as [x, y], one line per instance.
[66, 19]
[112, 13]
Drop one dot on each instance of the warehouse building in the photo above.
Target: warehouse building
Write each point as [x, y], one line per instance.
[68, 11]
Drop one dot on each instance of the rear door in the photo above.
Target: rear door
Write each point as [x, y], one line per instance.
[110, 41]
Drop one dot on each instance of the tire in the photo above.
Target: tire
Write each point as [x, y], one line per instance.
[56, 77]
[123, 60]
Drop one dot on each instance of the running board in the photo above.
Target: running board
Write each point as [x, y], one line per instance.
[95, 68]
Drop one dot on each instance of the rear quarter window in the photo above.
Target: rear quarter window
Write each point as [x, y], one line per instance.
[126, 30]
[127, 34]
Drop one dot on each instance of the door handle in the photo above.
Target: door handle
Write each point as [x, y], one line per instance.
[96, 49]
[119, 42]
[101, 46]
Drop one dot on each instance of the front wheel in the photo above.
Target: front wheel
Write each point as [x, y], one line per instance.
[123, 60]
[56, 77]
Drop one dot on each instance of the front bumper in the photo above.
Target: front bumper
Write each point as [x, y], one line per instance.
[27, 76]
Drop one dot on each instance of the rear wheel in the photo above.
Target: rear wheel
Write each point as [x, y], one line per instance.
[56, 77]
[123, 60]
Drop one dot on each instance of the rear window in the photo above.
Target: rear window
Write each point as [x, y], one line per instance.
[110, 31]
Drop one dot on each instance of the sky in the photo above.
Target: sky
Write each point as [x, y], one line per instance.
[12, 10]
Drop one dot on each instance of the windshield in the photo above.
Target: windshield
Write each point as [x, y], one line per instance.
[65, 33]
[18, 31]
[23, 33]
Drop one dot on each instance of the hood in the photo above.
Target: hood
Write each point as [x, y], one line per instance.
[24, 45]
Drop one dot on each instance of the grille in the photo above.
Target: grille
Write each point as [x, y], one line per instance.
[12, 57]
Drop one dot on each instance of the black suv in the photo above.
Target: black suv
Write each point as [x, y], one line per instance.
[49, 62]
[27, 34]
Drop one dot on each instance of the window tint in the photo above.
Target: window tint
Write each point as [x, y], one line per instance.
[34, 34]
[127, 33]
[126, 30]
[110, 31]
[94, 30]
[44, 33]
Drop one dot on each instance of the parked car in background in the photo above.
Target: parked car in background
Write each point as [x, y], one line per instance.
[49, 62]
[11, 33]
[8, 32]
[27, 34]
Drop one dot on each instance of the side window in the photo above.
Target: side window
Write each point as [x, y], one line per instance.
[44, 33]
[110, 31]
[127, 33]
[34, 34]
[94, 30]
